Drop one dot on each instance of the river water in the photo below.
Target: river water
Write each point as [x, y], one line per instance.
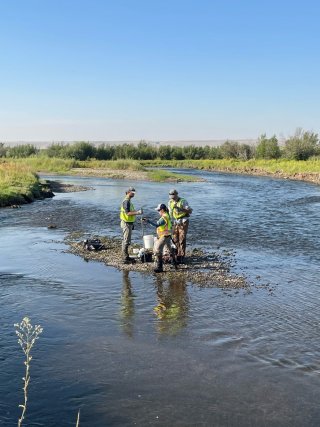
[217, 358]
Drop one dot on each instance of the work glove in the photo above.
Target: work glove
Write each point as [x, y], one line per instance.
[139, 212]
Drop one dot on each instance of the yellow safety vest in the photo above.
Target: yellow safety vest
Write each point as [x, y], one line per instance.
[165, 230]
[175, 213]
[123, 214]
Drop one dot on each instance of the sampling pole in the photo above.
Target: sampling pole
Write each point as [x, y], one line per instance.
[144, 249]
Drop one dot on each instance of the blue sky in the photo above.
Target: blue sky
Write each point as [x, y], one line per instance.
[157, 70]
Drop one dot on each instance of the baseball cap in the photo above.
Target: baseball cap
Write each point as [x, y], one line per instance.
[161, 206]
[172, 192]
[131, 190]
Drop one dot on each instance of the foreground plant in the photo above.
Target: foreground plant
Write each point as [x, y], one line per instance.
[27, 335]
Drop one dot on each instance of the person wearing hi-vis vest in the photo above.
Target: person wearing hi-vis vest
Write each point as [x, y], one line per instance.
[164, 230]
[128, 217]
[179, 211]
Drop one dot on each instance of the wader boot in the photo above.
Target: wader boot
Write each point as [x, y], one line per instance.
[129, 260]
[159, 267]
[125, 256]
[174, 260]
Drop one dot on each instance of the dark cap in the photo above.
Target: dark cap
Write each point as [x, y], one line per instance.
[161, 206]
[172, 192]
[131, 190]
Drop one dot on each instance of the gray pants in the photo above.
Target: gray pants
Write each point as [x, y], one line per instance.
[126, 237]
[164, 241]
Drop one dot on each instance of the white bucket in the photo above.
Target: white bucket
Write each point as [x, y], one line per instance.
[148, 241]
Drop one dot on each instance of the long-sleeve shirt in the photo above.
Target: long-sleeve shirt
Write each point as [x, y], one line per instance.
[160, 222]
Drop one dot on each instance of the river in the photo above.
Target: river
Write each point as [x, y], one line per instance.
[217, 358]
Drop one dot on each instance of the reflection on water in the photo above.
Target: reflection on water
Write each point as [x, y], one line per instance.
[134, 349]
[127, 304]
[171, 311]
[172, 308]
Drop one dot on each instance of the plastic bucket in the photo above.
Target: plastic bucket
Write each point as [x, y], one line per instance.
[148, 241]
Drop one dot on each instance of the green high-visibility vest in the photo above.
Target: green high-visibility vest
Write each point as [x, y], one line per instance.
[123, 214]
[175, 212]
[165, 229]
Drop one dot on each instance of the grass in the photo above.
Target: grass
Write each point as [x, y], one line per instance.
[61, 166]
[47, 164]
[160, 175]
[234, 165]
[18, 184]
[69, 166]
[124, 164]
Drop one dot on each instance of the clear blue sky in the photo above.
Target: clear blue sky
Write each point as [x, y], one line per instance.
[158, 70]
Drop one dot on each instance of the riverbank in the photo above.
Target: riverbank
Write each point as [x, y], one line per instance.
[114, 169]
[134, 175]
[15, 196]
[296, 176]
[20, 185]
[279, 170]
[60, 187]
[308, 170]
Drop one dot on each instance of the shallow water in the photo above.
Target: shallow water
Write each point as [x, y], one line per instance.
[222, 358]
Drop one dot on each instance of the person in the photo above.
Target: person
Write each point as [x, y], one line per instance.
[180, 212]
[164, 231]
[128, 217]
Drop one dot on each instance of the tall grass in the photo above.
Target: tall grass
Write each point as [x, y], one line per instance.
[57, 165]
[124, 164]
[271, 166]
[18, 183]
[49, 164]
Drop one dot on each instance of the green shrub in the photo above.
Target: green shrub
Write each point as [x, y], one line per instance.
[302, 145]
[268, 148]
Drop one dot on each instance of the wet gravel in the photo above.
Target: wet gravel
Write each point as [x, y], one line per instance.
[60, 187]
[201, 268]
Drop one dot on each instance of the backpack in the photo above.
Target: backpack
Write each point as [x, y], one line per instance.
[93, 245]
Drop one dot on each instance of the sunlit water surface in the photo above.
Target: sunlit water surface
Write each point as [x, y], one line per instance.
[217, 358]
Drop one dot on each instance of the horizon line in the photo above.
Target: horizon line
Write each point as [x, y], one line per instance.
[122, 141]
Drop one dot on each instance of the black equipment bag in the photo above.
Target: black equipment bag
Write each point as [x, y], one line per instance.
[93, 245]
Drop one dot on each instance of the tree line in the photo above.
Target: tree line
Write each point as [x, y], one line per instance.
[301, 146]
